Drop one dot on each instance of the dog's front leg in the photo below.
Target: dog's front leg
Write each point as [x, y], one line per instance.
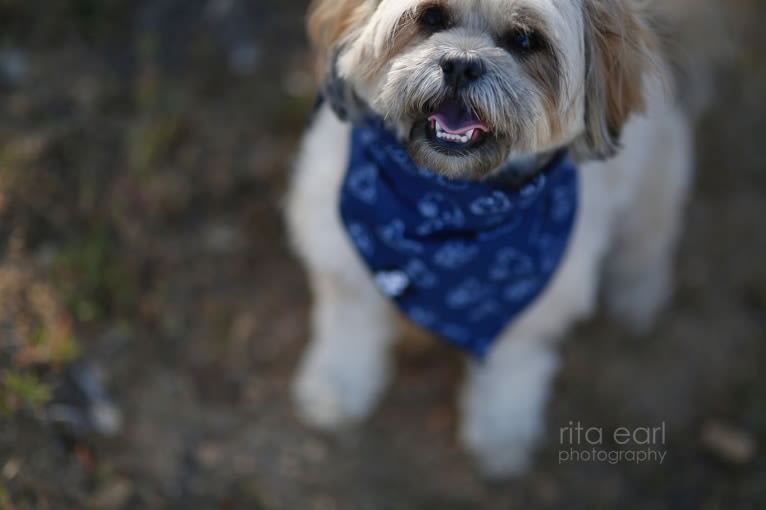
[346, 365]
[503, 404]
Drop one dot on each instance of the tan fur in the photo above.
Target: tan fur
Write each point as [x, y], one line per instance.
[330, 20]
[405, 33]
[620, 46]
[546, 72]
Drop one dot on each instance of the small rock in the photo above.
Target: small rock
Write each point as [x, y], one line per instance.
[115, 494]
[728, 444]
[106, 418]
[11, 469]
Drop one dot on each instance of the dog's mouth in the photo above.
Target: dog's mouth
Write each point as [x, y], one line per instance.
[454, 128]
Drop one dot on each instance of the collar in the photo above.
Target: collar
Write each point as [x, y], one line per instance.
[516, 173]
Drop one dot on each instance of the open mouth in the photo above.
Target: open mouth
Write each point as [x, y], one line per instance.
[453, 127]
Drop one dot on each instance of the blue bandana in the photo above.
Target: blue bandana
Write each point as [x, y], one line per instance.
[460, 258]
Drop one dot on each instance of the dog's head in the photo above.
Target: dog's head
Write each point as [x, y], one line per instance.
[470, 84]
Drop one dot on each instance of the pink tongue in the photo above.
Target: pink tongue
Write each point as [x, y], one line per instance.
[456, 120]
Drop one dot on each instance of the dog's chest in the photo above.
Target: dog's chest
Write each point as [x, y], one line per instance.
[459, 258]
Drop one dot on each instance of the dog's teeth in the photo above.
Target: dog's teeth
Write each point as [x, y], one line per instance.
[443, 134]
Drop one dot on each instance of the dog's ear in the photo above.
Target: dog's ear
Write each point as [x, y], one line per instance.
[620, 50]
[331, 24]
[329, 21]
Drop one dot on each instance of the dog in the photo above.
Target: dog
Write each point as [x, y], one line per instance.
[559, 120]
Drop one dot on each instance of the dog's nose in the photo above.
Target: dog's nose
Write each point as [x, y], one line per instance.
[459, 72]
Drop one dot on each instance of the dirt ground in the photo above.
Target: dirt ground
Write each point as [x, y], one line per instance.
[144, 148]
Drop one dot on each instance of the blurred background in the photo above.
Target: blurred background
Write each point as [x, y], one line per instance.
[151, 314]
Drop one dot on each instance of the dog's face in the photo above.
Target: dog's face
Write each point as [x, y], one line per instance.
[469, 84]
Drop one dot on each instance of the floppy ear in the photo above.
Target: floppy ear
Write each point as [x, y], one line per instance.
[330, 25]
[330, 20]
[620, 48]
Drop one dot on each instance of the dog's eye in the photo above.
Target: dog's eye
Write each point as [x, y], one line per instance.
[522, 41]
[434, 18]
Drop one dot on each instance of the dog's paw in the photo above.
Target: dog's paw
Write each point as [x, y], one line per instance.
[501, 453]
[333, 398]
[503, 407]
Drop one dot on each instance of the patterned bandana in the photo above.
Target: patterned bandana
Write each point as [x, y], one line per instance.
[460, 258]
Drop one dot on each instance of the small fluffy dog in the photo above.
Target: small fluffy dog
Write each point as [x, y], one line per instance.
[503, 98]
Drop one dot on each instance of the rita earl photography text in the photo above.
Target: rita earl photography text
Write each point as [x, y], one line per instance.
[637, 445]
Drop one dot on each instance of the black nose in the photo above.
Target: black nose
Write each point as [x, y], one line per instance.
[459, 72]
